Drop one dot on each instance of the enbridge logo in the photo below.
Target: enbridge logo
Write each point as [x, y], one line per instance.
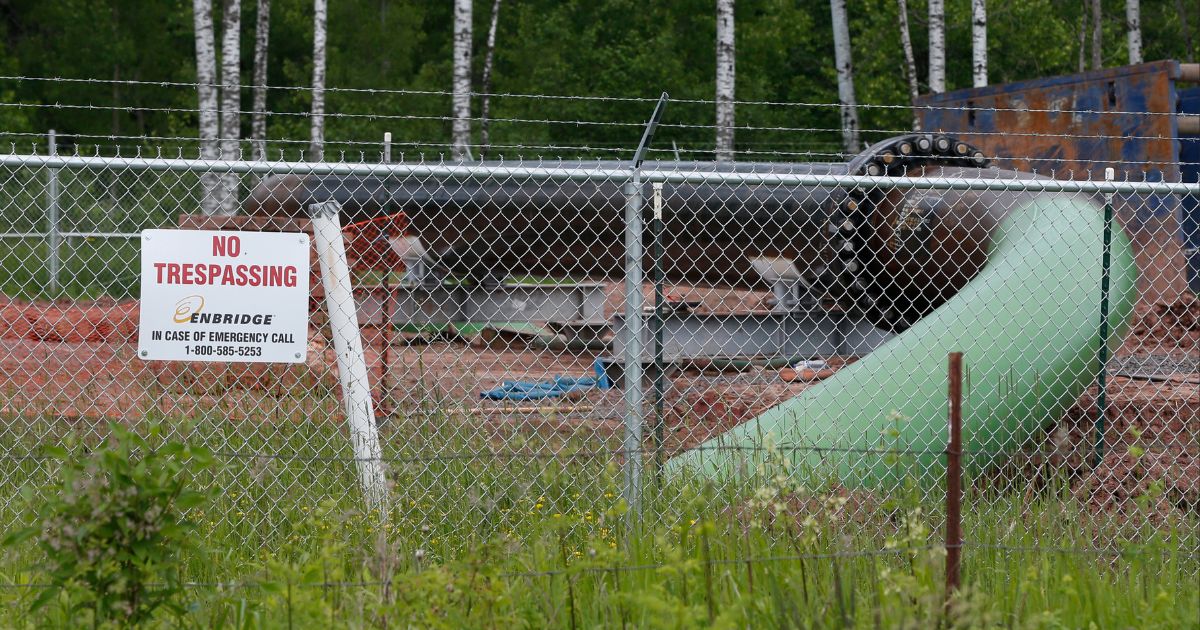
[186, 307]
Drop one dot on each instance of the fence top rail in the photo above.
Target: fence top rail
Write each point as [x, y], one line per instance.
[583, 172]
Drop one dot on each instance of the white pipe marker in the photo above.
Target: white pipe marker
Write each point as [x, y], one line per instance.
[347, 343]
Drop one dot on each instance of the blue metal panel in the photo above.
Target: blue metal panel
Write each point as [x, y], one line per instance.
[1189, 170]
[1076, 126]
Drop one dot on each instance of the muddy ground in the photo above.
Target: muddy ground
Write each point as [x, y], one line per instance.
[77, 360]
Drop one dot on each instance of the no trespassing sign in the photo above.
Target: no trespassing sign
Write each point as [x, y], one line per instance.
[224, 296]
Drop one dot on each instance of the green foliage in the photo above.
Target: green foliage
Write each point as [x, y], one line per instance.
[575, 47]
[114, 531]
[519, 542]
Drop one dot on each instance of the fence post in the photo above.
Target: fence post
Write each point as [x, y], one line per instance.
[633, 344]
[52, 215]
[954, 476]
[1102, 370]
[347, 342]
[656, 229]
[385, 324]
[634, 413]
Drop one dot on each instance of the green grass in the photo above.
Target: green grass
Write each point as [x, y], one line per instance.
[524, 540]
[90, 268]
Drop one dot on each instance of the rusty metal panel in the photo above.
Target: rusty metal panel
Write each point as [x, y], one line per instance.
[1073, 127]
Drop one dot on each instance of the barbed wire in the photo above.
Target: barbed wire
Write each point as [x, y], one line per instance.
[568, 122]
[567, 97]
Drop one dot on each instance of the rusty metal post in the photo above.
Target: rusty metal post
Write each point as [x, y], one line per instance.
[954, 476]
[656, 327]
[385, 325]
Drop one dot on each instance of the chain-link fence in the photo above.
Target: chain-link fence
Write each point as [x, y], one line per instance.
[621, 345]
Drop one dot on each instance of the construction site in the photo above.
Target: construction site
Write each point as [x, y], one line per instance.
[766, 300]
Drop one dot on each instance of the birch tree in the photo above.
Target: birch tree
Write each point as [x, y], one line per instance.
[937, 46]
[1097, 31]
[1133, 25]
[316, 146]
[979, 51]
[460, 130]
[910, 63]
[489, 57]
[1187, 31]
[231, 99]
[1083, 29]
[845, 75]
[206, 90]
[726, 78]
[258, 119]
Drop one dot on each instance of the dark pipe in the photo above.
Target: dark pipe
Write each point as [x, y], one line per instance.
[894, 254]
[475, 228]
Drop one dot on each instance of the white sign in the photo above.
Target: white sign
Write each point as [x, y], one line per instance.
[224, 296]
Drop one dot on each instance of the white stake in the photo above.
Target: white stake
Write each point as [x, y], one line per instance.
[347, 342]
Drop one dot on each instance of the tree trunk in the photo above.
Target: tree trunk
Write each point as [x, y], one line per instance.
[1133, 22]
[1187, 32]
[206, 90]
[979, 50]
[1097, 33]
[937, 46]
[726, 79]
[316, 147]
[845, 75]
[231, 99]
[1083, 29]
[489, 56]
[910, 63]
[460, 130]
[258, 119]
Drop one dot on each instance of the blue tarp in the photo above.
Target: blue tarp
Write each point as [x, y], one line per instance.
[526, 390]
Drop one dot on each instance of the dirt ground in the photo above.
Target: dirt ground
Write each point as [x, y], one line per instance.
[77, 360]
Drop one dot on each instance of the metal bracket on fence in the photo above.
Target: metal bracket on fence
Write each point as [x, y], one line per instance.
[347, 342]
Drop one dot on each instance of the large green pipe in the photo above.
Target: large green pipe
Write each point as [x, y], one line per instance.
[1028, 327]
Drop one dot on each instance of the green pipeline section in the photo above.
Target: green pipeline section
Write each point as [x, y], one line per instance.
[1028, 325]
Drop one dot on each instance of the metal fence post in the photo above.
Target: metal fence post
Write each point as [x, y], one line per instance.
[634, 413]
[656, 228]
[633, 344]
[52, 216]
[1102, 370]
[954, 475]
[385, 319]
[347, 342]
